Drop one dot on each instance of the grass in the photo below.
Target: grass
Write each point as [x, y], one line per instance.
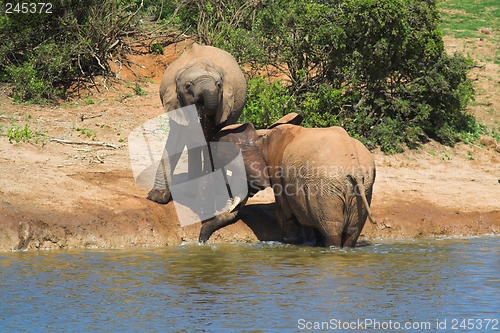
[445, 156]
[465, 18]
[25, 134]
[139, 91]
[87, 132]
[469, 156]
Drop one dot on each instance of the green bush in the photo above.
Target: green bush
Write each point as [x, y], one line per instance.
[266, 102]
[157, 48]
[38, 78]
[43, 54]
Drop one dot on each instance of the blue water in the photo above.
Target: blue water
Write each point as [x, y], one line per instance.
[255, 288]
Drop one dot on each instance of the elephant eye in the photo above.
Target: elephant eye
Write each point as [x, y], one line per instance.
[187, 85]
[219, 84]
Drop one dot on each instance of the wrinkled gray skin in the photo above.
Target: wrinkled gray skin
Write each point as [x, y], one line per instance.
[321, 177]
[211, 79]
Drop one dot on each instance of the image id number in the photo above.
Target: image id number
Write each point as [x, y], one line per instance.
[474, 324]
[28, 7]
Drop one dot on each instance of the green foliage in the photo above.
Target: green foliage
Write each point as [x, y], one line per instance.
[497, 57]
[157, 48]
[445, 156]
[43, 54]
[24, 134]
[87, 132]
[162, 11]
[495, 133]
[138, 90]
[377, 68]
[33, 79]
[266, 102]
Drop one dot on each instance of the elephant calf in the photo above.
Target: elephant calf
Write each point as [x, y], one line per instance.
[210, 79]
[322, 179]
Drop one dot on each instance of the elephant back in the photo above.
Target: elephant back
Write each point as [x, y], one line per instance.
[324, 149]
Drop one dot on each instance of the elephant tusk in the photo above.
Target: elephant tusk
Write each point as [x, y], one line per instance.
[231, 205]
[236, 202]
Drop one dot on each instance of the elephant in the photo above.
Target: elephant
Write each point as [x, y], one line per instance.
[210, 79]
[322, 179]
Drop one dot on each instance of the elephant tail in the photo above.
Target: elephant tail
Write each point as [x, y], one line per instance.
[359, 190]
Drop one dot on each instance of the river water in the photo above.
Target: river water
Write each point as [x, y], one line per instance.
[443, 285]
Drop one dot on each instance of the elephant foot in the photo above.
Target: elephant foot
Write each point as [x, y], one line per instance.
[161, 196]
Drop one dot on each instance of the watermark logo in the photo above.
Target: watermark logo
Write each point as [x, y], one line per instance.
[201, 190]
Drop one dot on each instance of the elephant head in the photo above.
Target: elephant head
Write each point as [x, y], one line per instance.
[250, 144]
[253, 148]
[208, 77]
[200, 84]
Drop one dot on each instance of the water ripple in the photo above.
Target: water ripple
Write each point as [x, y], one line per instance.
[264, 287]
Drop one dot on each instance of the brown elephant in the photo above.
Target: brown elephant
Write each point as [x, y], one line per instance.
[322, 179]
[210, 79]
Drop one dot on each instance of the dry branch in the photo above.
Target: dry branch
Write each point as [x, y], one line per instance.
[89, 143]
[84, 117]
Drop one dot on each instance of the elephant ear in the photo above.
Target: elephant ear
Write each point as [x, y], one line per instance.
[237, 132]
[168, 90]
[234, 91]
[224, 112]
[291, 118]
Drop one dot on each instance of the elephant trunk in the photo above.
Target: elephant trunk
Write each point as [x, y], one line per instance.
[209, 97]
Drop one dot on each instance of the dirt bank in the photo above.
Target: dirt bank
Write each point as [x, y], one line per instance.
[57, 195]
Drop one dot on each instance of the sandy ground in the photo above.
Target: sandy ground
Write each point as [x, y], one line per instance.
[56, 195]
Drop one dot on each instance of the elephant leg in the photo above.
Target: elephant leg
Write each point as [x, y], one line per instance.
[175, 143]
[161, 190]
[353, 226]
[320, 240]
[290, 226]
[330, 223]
[194, 163]
[356, 221]
[332, 233]
[220, 221]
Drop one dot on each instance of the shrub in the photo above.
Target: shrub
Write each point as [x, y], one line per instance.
[266, 102]
[43, 54]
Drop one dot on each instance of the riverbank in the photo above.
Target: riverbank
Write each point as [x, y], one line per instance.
[69, 195]
[65, 195]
